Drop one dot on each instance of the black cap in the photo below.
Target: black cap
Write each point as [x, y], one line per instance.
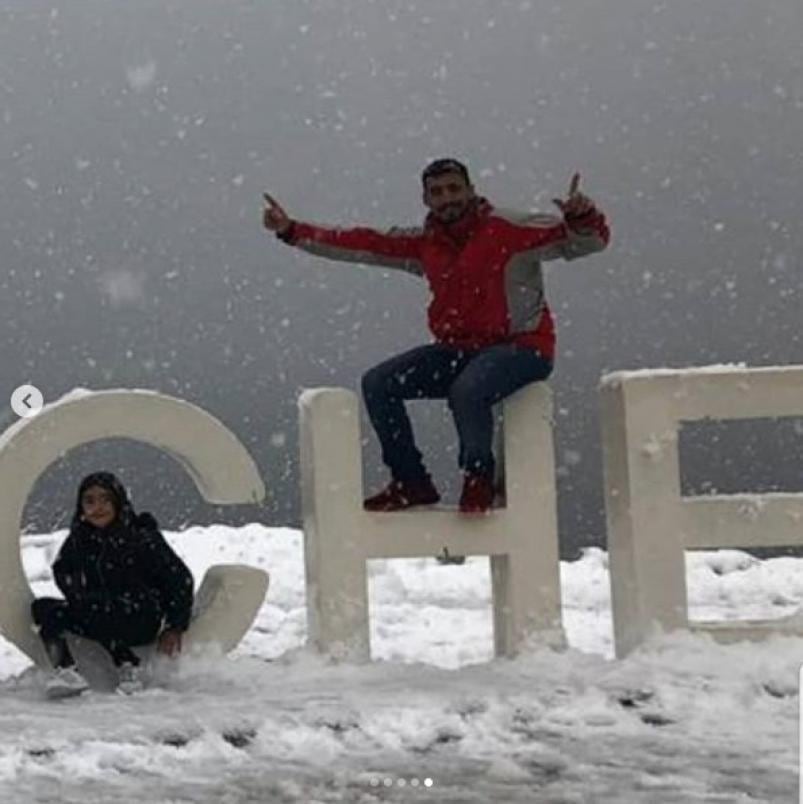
[441, 166]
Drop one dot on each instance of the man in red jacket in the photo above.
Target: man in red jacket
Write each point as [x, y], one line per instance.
[493, 330]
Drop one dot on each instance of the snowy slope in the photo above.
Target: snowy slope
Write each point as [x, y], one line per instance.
[683, 720]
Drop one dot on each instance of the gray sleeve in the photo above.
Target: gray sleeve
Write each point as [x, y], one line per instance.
[395, 248]
[579, 243]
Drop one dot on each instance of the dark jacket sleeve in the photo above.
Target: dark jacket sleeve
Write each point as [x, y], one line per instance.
[170, 575]
[68, 573]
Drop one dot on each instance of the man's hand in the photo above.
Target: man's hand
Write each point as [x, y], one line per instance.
[169, 642]
[576, 205]
[274, 217]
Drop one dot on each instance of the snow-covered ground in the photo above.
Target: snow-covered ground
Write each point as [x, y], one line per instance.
[683, 720]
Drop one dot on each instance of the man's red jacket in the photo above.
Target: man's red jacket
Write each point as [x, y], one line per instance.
[484, 271]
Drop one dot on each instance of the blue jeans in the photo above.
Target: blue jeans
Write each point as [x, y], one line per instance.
[471, 380]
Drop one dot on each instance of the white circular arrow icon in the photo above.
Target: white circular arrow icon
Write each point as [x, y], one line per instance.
[27, 401]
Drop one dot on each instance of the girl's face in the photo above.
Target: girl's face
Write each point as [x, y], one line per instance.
[97, 506]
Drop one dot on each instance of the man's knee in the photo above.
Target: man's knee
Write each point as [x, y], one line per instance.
[376, 382]
[465, 395]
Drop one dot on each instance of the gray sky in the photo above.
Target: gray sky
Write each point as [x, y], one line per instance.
[136, 140]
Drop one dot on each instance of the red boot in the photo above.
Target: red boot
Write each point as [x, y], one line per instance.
[478, 494]
[398, 495]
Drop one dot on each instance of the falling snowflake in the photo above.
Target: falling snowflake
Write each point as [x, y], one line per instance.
[141, 76]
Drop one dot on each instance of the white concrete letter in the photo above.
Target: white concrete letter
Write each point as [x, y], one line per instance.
[650, 524]
[218, 463]
[340, 536]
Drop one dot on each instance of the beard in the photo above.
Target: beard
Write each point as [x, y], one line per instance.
[451, 213]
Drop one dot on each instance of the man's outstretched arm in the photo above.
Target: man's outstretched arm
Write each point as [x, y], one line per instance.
[582, 230]
[396, 248]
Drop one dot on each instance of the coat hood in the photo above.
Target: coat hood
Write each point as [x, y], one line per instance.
[110, 482]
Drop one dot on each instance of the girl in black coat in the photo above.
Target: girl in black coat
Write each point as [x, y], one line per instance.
[123, 586]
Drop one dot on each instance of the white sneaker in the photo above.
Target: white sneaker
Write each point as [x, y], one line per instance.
[65, 682]
[129, 679]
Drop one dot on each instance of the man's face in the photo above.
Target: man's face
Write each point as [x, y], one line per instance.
[448, 196]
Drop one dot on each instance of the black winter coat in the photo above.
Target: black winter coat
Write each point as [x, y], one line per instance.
[127, 562]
